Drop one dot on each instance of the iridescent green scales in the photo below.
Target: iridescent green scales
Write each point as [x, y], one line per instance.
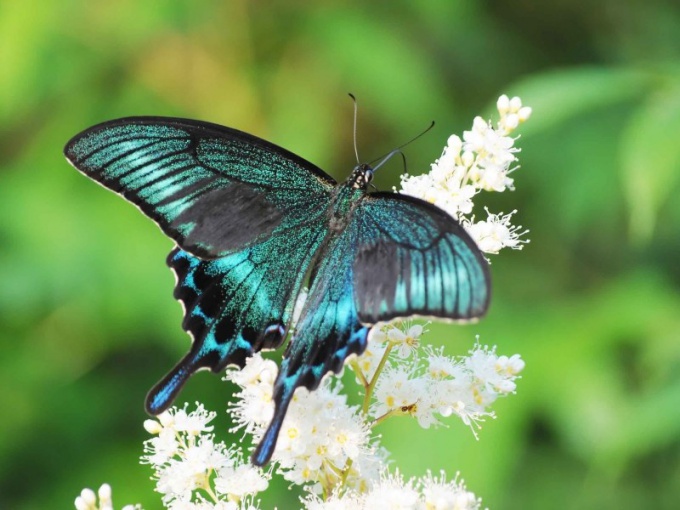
[252, 222]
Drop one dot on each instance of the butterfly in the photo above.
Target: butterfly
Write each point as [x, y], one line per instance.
[253, 223]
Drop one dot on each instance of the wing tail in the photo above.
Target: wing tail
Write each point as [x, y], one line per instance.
[164, 392]
[283, 396]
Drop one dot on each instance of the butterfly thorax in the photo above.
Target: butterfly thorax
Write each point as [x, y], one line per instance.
[347, 195]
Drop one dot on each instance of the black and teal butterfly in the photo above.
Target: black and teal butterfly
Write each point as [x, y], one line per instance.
[253, 222]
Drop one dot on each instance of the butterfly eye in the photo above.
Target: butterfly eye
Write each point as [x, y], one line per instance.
[368, 175]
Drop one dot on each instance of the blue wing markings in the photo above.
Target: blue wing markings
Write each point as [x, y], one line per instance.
[193, 178]
[238, 304]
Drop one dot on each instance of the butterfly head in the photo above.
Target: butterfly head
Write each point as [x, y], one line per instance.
[361, 177]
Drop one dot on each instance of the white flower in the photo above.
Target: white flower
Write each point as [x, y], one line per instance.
[438, 494]
[512, 113]
[319, 435]
[254, 406]
[482, 160]
[496, 232]
[437, 385]
[492, 147]
[475, 382]
[399, 388]
[202, 504]
[168, 428]
[392, 493]
[439, 366]
[153, 426]
[194, 423]
[441, 188]
[240, 480]
[191, 469]
[346, 501]
[88, 500]
[405, 338]
[509, 366]
[188, 462]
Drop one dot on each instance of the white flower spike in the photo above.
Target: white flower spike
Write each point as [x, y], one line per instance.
[481, 161]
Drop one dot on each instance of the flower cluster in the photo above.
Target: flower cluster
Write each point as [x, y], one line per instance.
[321, 434]
[433, 384]
[88, 500]
[325, 444]
[393, 492]
[482, 160]
[192, 470]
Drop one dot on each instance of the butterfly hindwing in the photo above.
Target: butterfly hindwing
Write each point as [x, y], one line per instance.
[327, 332]
[237, 304]
[212, 189]
[414, 259]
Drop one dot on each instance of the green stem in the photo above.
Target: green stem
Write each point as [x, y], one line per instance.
[397, 411]
[345, 472]
[206, 487]
[374, 379]
[359, 373]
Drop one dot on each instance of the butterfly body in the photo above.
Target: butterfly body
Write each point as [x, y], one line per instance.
[252, 223]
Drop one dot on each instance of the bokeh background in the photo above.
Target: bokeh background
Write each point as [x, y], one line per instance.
[87, 320]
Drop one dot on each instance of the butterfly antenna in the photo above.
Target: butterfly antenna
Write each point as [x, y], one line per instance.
[387, 156]
[354, 131]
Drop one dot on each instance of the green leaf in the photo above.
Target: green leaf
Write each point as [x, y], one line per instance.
[651, 159]
[558, 96]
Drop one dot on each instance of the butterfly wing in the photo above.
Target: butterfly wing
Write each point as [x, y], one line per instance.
[397, 257]
[237, 304]
[246, 214]
[327, 332]
[415, 259]
[212, 189]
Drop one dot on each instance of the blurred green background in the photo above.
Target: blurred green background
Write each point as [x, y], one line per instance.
[87, 319]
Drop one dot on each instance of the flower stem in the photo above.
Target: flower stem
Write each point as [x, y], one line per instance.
[360, 373]
[397, 411]
[374, 379]
[345, 472]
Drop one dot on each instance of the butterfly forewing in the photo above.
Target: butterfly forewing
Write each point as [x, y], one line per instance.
[212, 189]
